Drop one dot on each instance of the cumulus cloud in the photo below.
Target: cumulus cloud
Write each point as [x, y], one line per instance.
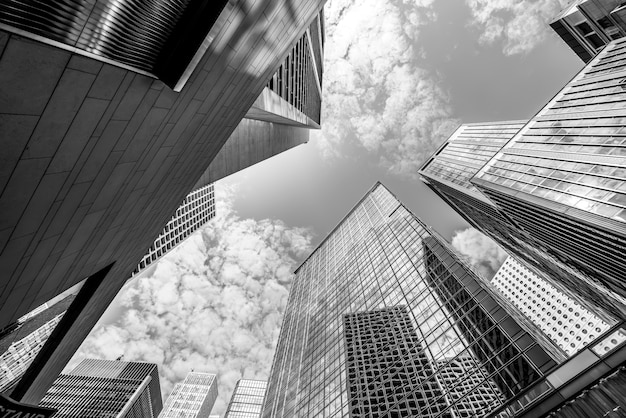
[214, 304]
[375, 92]
[480, 251]
[519, 24]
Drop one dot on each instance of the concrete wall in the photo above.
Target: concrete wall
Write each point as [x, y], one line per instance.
[252, 142]
[95, 159]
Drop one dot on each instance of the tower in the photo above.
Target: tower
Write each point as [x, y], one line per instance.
[382, 314]
[247, 399]
[449, 172]
[194, 397]
[103, 388]
[562, 178]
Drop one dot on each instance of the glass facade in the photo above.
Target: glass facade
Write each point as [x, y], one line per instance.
[247, 399]
[468, 149]
[194, 397]
[485, 216]
[451, 337]
[106, 388]
[562, 178]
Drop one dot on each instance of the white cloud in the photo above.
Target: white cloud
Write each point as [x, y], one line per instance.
[519, 24]
[480, 251]
[375, 92]
[214, 304]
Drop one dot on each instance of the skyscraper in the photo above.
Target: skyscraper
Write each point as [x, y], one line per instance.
[247, 399]
[105, 388]
[281, 118]
[196, 210]
[448, 173]
[114, 112]
[562, 319]
[20, 343]
[562, 178]
[194, 397]
[587, 26]
[384, 289]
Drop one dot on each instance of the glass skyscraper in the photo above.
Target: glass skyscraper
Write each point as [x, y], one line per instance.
[106, 388]
[562, 178]
[383, 319]
[194, 397]
[448, 172]
[247, 399]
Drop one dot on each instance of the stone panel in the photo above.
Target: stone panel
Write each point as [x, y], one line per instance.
[29, 73]
[59, 113]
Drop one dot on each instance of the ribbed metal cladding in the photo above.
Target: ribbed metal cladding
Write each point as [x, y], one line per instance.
[98, 388]
[130, 32]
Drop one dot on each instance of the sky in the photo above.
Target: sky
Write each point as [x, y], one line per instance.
[400, 75]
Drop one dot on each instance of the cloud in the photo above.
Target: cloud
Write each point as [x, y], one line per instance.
[214, 304]
[519, 25]
[480, 251]
[375, 93]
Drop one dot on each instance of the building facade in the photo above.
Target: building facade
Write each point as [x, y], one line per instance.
[449, 171]
[562, 178]
[281, 118]
[562, 319]
[194, 397]
[115, 112]
[587, 26]
[20, 343]
[105, 388]
[247, 399]
[196, 210]
[379, 266]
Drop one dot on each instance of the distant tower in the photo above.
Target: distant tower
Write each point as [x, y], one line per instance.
[562, 319]
[106, 388]
[247, 399]
[194, 397]
[21, 342]
[196, 210]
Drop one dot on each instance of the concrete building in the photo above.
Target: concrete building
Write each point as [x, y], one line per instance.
[562, 178]
[105, 388]
[194, 397]
[383, 287]
[568, 324]
[109, 126]
[281, 118]
[247, 399]
[587, 26]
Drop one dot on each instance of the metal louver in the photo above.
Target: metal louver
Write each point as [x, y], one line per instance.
[132, 32]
